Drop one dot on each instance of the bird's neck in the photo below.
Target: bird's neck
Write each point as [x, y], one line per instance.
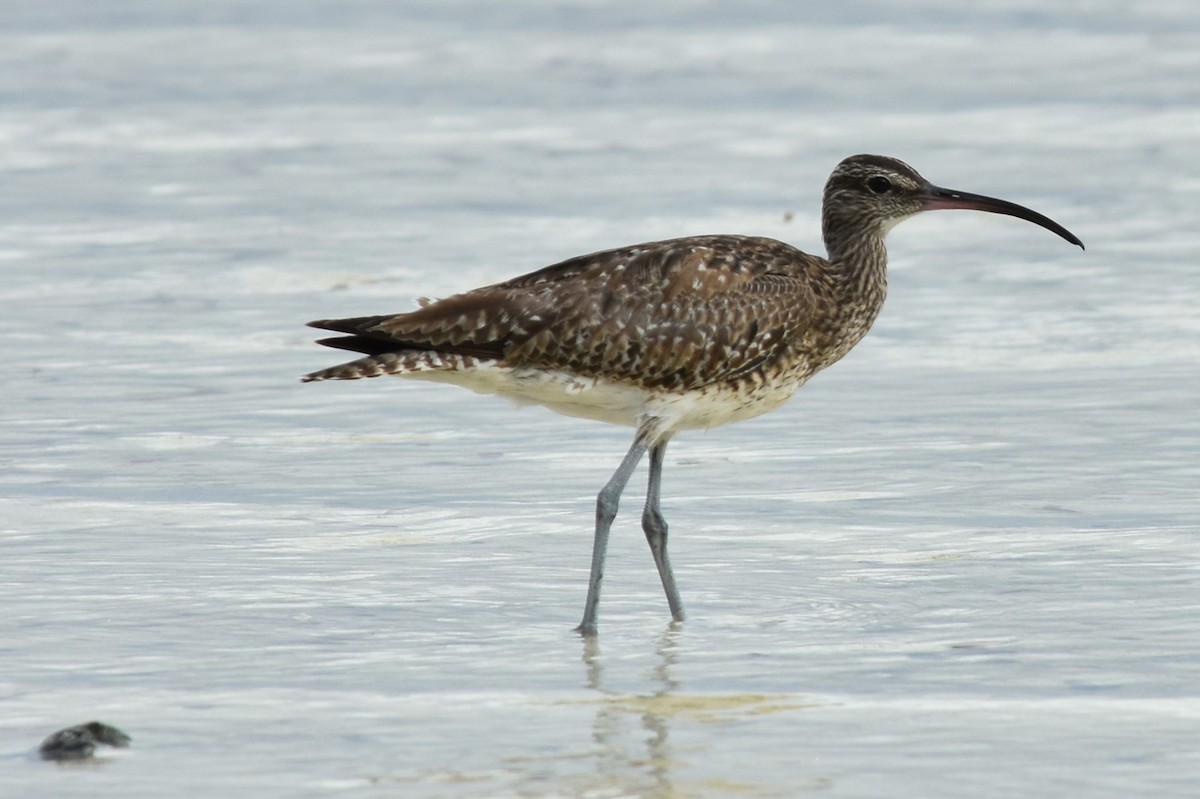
[857, 265]
[855, 282]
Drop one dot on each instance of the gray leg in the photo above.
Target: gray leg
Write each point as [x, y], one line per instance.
[606, 511]
[656, 530]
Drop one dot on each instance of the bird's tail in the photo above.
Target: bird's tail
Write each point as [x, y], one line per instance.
[370, 366]
[395, 363]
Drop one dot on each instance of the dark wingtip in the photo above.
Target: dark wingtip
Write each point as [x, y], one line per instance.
[354, 325]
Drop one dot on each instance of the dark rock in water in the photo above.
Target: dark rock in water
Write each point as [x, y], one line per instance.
[79, 742]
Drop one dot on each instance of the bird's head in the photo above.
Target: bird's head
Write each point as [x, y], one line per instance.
[867, 195]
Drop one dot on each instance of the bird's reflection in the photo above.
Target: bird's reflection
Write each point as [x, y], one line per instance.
[652, 766]
[633, 750]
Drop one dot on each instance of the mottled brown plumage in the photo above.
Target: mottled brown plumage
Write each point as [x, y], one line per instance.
[669, 335]
[669, 316]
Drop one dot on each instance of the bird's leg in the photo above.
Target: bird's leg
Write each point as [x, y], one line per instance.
[606, 511]
[655, 527]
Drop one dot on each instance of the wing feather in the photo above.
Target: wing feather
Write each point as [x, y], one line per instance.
[680, 314]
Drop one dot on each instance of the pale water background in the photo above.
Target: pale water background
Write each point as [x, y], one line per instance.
[963, 562]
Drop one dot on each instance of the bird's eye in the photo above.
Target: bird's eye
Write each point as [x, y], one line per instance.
[879, 184]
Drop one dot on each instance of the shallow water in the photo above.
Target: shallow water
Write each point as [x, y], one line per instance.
[962, 562]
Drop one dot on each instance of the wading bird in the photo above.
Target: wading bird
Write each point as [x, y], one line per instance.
[666, 336]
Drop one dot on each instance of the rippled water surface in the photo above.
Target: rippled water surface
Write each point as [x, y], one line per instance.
[963, 562]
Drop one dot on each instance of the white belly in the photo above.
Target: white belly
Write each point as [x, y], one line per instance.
[614, 402]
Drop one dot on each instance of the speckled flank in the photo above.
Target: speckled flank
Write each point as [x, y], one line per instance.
[706, 330]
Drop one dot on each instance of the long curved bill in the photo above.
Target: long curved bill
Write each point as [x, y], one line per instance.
[935, 198]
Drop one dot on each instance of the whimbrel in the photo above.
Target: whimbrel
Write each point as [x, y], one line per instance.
[666, 336]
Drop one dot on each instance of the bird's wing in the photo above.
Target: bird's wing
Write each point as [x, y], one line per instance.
[676, 314]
